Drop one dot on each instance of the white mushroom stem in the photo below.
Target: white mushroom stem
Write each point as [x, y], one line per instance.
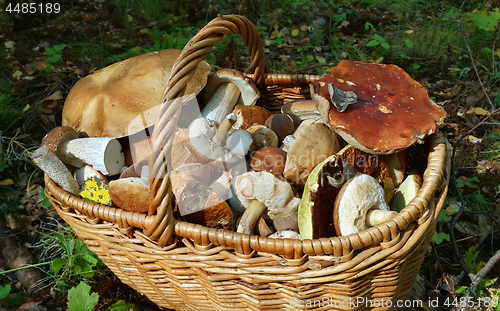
[55, 169]
[375, 217]
[222, 102]
[102, 153]
[250, 217]
[224, 128]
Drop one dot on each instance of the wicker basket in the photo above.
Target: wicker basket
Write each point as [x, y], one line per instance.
[190, 267]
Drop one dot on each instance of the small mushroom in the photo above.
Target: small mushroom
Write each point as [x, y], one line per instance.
[239, 142]
[360, 204]
[311, 146]
[260, 190]
[132, 194]
[58, 135]
[247, 116]
[199, 204]
[262, 136]
[269, 159]
[301, 110]
[282, 124]
[225, 89]
[86, 172]
[202, 133]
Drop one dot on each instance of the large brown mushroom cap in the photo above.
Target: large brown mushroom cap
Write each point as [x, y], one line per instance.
[124, 98]
[392, 111]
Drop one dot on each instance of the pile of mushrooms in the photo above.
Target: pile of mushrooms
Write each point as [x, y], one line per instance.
[333, 165]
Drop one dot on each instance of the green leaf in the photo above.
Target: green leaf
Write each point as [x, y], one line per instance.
[3, 167]
[462, 290]
[122, 305]
[409, 43]
[59, 47]
[57, 264]
[339, 17]
[378, 38]
[444, 216]
[438, 238]
[369, 26]
[80, 299]
[46, 202]
[4, 291]
[416, 66]
[385, 45]
[373, 43]
[114, 59]
[15, 301]
[50, 51]
[54, 58]
[474, 179]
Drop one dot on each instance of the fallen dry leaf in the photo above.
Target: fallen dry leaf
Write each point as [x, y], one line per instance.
[6, 182]
[479, 111]
[9, 44]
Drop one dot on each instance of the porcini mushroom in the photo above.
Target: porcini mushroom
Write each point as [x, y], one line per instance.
[301, 110]
[388, 112]
[315, 214]
[202, 137]
[269, 159]
[247, 116]
[224, 90]
[197, 203]
[132, 194]
[360, 204]
[260, 190]
[282, 124]
[311, 146]
[122, 100]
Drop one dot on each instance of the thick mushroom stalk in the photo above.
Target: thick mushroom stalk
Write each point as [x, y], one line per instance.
[201, 137]
[250, 217]
[258, 190]
[360, 204]
[226, 88]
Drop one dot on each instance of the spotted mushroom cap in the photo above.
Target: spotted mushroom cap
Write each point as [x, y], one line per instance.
[392, 111]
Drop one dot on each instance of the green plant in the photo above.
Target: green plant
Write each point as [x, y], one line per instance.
[80, 299]
[439, 237]
[45, 201]
[122, 305]
[71, 260]
[54, 56]
[4, 291]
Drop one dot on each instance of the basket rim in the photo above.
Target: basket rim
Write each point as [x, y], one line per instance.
[435, 179]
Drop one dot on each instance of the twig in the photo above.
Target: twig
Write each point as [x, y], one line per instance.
[475, 283]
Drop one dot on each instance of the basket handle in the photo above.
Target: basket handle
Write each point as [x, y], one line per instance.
[184, 68]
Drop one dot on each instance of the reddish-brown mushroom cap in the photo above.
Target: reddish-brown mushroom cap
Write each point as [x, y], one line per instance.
[392, 111]
[58, 135]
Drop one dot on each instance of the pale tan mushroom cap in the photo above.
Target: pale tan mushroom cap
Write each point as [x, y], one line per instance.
[124, 98]
[277, 195]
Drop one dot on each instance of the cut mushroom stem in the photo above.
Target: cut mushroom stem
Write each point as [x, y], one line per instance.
[250, 217]
[375, 217]
[103, 153]
[224, 128]
[55, 169]
[222, 102]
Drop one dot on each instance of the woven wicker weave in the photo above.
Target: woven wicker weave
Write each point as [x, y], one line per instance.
[190, 267]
